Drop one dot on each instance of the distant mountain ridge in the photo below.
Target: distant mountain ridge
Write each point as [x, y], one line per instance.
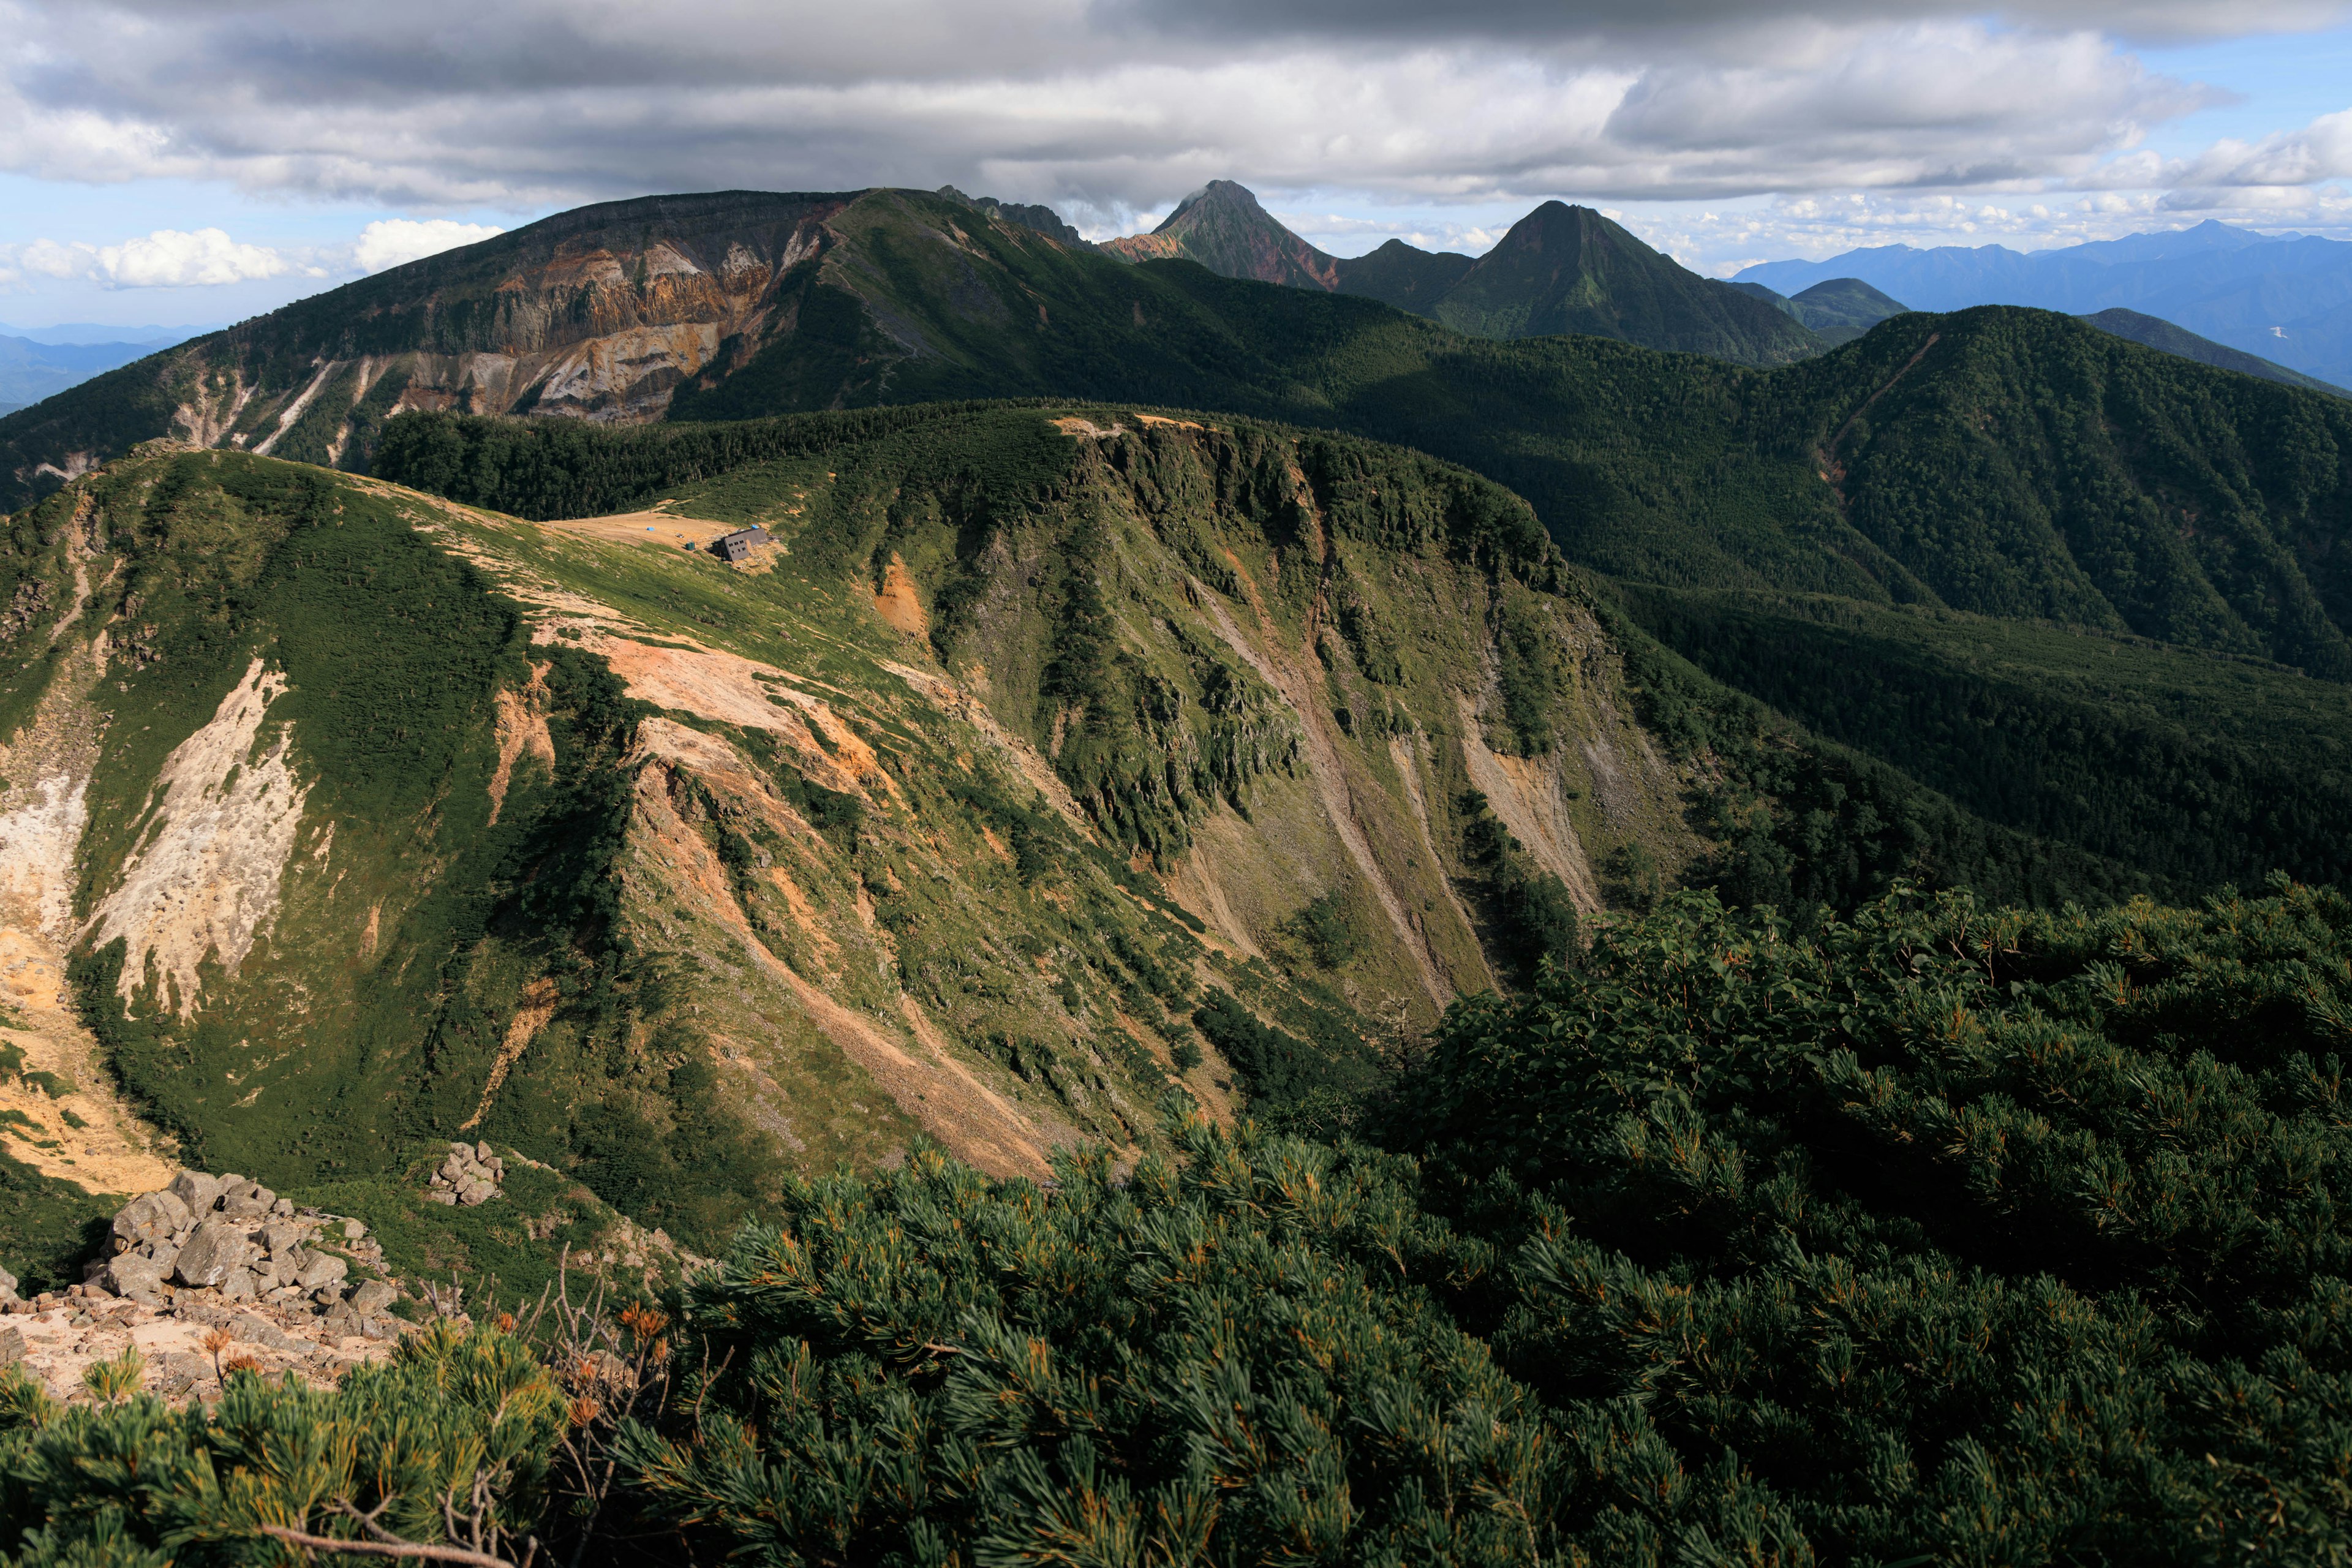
[2157, 333]
[1841, 310]
[2286, 299]
[32, 368]
[1560, 269]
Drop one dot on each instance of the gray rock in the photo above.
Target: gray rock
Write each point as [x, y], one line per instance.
[341, 1319]
[140, 1279]
[482, 1151]
[444, 1197]
[354, 1229]
[217, 1247]
[281, 1236]
[8, 1286]
[240, 1286]
[12, 1346]
[476, 1192]
[454, 1169]
[282, 1206]
[147, 1218]
[246, 1200]
[322, 1270]
[256, 1329]
[196, 1189]
[373, 1297]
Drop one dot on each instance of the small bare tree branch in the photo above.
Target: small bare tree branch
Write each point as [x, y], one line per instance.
[384, 1548]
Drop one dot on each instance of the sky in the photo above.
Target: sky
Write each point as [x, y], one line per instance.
[168, 164]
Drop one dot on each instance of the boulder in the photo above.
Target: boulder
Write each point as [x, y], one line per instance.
[354, 1230]
[246, 1200]
[279, 1235]
[477, 1190]
[373, 1297]
[197, 1191]
[240, 1285]
[8, 1286]
[218, 1247]
[322, 1270]
[149, 1217]
[139, 1278]
[12, 1346]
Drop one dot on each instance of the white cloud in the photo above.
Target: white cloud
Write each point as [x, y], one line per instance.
[209, 257]
[390, 242]
[167, 259]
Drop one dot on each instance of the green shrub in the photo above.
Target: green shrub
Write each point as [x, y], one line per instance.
[1223, 1359]
[1966, 1232]
[130, 1481]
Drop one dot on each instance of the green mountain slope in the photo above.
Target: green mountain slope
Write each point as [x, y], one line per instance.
[1050, 760]
[2172, 340]
[1569, 269]
[2001, 462]
[2203, 769]
[1402, 274]
[1842, 309]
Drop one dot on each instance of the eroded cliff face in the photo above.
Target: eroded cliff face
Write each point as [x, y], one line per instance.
[574, 327]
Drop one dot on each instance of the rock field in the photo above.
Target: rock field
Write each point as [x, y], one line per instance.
[204, 1275]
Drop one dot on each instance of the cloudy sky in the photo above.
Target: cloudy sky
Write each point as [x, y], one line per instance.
[170, 163]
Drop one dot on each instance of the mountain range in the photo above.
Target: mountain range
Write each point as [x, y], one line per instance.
[2287, 299]
[1560, 269]
[1220, 893]
[1990, 597]
[32, 369]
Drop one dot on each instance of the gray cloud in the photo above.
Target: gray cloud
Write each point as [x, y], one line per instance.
[1105, 108]
[1647, 22]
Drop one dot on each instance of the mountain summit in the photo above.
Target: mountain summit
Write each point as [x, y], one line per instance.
[1563, 268]
[1221, 226]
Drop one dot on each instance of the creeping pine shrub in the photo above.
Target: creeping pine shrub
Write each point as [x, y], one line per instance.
[1966, 1234]
[1943, 1234]
[465, 1417]
[1231, 1357]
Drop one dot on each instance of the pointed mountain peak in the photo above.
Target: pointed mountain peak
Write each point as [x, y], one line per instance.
[1564, 268]
[1221, 226]
[1218, 194]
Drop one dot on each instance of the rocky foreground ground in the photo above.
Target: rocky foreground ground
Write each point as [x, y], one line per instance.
[214, 1273]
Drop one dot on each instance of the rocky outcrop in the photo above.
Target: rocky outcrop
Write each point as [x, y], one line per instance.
[234, 1238]
[205, 1275]
[472, 1175]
